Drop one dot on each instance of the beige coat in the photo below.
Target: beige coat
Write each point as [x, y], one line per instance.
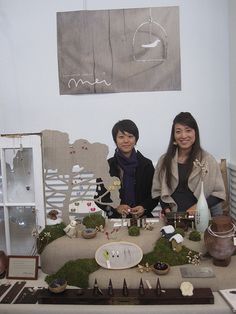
[213, 181]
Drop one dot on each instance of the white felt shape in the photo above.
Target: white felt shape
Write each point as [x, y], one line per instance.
[168, 229]
[186, 288]
[177, 237]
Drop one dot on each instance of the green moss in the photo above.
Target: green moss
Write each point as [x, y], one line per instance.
[163, 252]
[134, 231]
[195, 236]
[76, 273]
[94, 220]
[180, 231]
[49, 234]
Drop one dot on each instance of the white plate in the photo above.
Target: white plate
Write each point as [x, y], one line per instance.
[118, 255]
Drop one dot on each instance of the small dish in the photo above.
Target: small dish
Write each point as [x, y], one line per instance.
[89, 233]
[118, 255]
[160, 268]
[57, 285]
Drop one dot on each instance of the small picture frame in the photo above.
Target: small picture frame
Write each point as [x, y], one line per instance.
[22, 267]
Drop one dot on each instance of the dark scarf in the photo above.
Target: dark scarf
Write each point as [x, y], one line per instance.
[128, 165]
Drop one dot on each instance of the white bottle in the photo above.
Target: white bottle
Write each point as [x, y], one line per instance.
[202, 215]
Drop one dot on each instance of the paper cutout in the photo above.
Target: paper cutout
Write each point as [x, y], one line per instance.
[70, 173]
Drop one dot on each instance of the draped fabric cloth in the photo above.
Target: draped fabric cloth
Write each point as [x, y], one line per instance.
[213, 181]
[128, 165]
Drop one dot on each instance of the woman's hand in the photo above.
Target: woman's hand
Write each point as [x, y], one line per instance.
[192, 210]
[138, 211]
[123, 209]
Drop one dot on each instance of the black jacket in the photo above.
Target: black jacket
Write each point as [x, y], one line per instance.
[143, 185]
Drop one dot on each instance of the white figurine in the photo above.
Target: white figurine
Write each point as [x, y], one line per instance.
[71, 229]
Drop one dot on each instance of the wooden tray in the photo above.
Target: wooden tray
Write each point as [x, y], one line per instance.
[118, 255]
[150, 297]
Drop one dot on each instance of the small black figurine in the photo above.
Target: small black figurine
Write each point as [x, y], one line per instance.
[96, 289]
[125, 289]
[158, 287]
[110, 290]
[141, 290]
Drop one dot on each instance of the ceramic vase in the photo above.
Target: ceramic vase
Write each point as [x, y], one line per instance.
[202, 215]
[3, 264]
[218, 239]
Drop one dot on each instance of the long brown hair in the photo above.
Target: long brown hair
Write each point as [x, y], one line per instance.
[184, 118]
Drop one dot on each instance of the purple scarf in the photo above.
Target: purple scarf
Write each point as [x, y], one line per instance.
[128, 165]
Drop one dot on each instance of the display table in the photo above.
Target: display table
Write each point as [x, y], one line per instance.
[219, 306]
[57, 253]
[224, 277]
[65, 249]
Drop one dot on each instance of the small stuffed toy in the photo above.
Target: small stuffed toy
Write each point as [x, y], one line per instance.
[71, 229]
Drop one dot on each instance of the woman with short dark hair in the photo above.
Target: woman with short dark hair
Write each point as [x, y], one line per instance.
[134, 171]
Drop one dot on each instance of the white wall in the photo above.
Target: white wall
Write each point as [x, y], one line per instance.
[29, 93]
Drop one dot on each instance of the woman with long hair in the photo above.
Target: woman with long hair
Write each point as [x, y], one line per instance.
[177, 178]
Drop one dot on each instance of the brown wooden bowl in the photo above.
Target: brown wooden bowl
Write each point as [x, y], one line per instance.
[160, 268]
[89, 233]
[57, 286]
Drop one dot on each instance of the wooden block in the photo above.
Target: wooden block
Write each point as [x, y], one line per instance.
[170, 296]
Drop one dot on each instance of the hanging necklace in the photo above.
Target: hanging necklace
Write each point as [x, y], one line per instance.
[17, 162]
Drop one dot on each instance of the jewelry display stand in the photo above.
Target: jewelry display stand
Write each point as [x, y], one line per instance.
[132, 297]
[19, 294]
[21, 195]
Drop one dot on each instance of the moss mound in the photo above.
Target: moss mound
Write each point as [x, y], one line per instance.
[49, 234]
[163, 252]
[180, 231]
[94, 220]
[195, 236]
[76, 273]
[134, 231]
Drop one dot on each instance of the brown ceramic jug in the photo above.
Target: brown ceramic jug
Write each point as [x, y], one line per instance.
[218, 239]
[3, 264]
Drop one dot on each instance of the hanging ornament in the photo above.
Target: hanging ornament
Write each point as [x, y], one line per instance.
[150, 41]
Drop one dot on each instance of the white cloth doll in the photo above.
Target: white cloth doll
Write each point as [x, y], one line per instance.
[71, 229]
